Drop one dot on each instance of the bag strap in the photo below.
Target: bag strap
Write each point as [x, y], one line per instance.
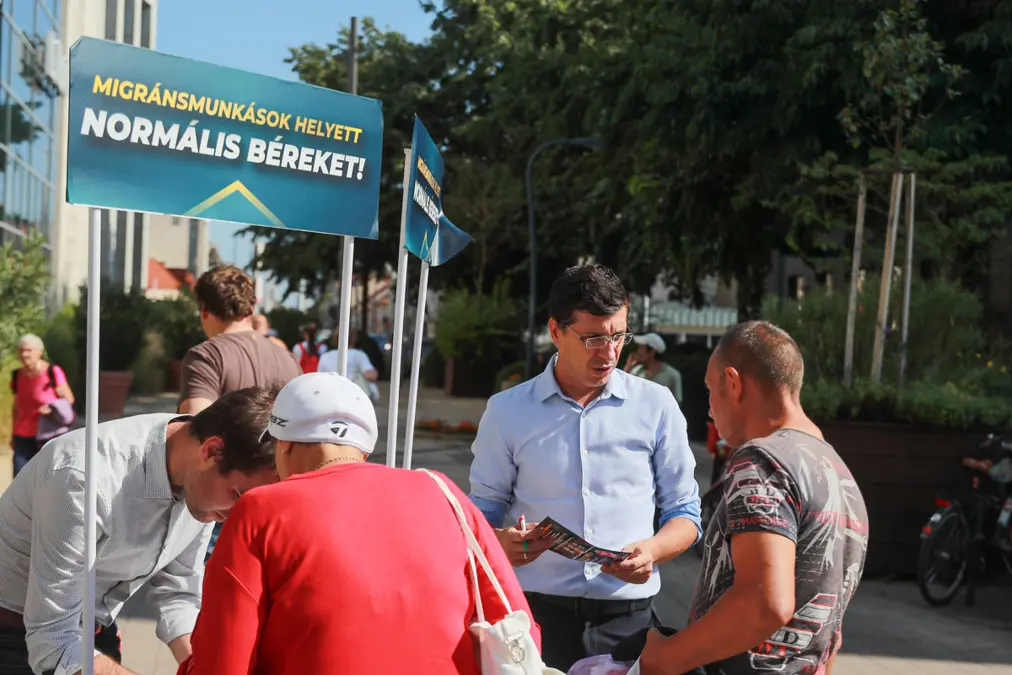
[474, 548]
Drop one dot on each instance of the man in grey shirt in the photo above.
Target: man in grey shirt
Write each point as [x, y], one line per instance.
[161, 480]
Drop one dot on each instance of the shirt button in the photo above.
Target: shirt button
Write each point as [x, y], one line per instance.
[585, 451]
[586, 492]
[590, 531]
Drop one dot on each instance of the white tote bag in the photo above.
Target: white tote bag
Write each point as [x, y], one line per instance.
[506, 647]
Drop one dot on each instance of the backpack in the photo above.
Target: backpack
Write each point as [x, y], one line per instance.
[310, 359]
[51, 372]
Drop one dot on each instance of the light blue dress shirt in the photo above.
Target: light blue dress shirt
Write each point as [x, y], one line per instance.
[598, 470]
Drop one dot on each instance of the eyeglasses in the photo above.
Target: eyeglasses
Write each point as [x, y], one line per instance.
[601, 341]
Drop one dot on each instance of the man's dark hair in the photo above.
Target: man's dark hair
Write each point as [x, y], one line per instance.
[765, 353]
[226, 292]
[594, 289]
[239, 418]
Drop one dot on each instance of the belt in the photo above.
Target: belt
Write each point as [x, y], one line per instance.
[588, 608]
[11, 620]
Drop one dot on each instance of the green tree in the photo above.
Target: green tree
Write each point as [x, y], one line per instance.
[24, 278]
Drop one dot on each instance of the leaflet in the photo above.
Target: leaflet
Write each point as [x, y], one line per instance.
[568, 544]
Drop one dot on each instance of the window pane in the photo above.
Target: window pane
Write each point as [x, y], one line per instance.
[128, 21]
[111, 11]
[145, 24]
[138, 262]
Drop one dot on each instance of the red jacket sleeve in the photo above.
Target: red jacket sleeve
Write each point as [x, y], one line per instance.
[494, 609]
[234, 605]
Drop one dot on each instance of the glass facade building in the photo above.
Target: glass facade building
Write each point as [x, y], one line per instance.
[29, 101]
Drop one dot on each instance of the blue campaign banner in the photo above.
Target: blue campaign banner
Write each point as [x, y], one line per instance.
[159, 133]
[430, 235]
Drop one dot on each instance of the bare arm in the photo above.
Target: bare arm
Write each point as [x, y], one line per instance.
[180, 648]
[760, 601]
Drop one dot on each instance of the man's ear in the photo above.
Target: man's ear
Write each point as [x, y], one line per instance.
[555, 330]
[733, 382]
[211, 450]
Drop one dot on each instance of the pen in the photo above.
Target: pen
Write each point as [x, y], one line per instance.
[523, 523]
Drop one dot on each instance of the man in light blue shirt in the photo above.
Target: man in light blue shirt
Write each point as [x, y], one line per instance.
[597, 450]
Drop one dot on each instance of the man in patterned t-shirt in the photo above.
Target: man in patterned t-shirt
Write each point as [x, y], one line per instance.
[785, 549]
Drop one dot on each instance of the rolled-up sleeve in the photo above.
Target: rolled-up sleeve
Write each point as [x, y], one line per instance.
[175, 590]
[53, 603]
[674, 468]
[493, 473]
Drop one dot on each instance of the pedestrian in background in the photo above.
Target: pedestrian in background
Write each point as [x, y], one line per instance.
[40, 391]
[647, 362]
[595, 449]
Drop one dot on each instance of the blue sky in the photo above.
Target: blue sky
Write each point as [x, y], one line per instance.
[255, 35]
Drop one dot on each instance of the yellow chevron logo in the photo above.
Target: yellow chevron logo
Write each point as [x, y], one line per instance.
[237, 186]
[424, 252]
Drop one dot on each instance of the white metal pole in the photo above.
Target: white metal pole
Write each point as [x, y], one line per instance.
[91, 440]
[416, 358]
[398, 337]
[348, 252]
[347, 262]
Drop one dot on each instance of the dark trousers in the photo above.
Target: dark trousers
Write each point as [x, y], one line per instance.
[24, 449]
[578, 628]
[14, 651]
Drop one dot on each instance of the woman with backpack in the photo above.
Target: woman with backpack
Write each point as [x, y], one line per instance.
[309, 351]
[43, 401]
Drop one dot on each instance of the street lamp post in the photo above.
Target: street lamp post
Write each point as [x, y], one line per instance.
[533, 300]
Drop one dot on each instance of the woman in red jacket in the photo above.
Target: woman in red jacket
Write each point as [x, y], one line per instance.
[343, 566]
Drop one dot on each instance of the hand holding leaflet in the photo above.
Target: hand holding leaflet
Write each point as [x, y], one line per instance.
[568, 544]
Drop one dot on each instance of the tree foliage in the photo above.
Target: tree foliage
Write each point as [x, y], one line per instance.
[729, 132]
[24, 278]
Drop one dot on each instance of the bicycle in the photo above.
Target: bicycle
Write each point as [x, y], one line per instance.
[963, 532]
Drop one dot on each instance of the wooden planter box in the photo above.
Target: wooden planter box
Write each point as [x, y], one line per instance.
[901, 469]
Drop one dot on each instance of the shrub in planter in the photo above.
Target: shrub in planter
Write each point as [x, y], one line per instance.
[479, 332]
[433, 370]
[124, 318]
[178, 321]
[60, 338]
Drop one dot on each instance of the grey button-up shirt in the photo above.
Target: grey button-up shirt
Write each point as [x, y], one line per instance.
[143, 534]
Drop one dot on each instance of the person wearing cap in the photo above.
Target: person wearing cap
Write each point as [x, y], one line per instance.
[646, 362]
[343, 566]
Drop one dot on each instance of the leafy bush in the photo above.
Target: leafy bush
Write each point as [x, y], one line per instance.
[24, 279]
[60, 337]
[432, 372]
[925, 403]
[178, 321]
[150, 366]
[288, 322]
[944, 336]
[124, 318]
[474, 326]
[955, 378]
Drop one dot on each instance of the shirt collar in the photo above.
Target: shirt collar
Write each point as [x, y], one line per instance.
[547, 386]
[156, 467]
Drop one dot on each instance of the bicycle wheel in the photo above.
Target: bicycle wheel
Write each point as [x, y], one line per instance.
[942, 563]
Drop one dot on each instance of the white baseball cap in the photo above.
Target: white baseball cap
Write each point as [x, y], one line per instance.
[652, 340]
[324, 408]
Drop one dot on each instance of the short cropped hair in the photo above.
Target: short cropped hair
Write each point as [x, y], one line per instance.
[765, 353]
[240, 418]
[226, 292]
[594, 289]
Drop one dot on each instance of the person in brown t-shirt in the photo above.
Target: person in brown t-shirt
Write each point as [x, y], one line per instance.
[235, 355]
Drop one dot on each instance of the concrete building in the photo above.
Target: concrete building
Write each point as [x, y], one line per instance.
[129, 239]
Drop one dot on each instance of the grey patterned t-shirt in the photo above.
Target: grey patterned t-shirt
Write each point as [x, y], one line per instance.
[795, 485]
